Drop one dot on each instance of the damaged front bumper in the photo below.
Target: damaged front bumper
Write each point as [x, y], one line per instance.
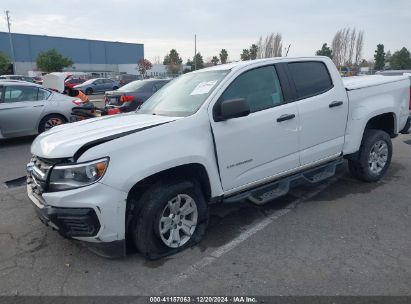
[99, 227]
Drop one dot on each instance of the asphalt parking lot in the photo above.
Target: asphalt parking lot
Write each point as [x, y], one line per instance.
[341, 237]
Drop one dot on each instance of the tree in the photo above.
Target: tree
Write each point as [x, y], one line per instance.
[198, 61]
[4, 63]
[347, 47]
[325, 51]
[379, 57]
[223, 56]
[253, 51]
[215, 60]
[173, 62]
[52, 61]
[156, 60]
[245, 55]
[358, 47]
[401, 60]
[271, 46]
[143, 66]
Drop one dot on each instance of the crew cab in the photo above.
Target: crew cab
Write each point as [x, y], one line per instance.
[239, 131]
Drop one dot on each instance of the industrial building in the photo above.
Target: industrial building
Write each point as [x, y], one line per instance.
[102, 58]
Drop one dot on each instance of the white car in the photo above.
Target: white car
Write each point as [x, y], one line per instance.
[29, 109]
[227, 133]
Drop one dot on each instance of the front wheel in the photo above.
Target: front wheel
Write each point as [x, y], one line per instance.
[173, 216]
[374, 156]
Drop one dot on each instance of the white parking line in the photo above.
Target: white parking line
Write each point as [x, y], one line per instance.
[251, 230]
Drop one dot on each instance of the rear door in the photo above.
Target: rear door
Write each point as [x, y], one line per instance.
[20, 111]
[323, 107]
[256, 148]
[98, 85]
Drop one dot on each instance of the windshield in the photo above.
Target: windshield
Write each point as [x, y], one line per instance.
[184, 95]
[133, 86]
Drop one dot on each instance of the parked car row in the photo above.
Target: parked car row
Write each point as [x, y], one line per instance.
[17, 77]
[28, 109]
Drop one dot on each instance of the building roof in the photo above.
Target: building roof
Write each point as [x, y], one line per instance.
[81, 51]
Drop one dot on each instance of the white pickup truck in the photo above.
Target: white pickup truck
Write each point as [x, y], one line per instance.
[245, 130]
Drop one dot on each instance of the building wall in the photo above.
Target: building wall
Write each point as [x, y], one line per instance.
[87, 55]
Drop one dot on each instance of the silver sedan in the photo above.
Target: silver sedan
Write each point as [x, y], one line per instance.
[29, 109]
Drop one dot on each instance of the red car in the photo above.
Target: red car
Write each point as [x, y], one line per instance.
[72, 82]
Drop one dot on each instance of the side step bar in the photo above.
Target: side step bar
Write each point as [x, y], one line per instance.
[266, 193]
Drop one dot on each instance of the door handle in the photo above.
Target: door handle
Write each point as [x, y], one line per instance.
[285, 117]
[335, 104]
[38, 106]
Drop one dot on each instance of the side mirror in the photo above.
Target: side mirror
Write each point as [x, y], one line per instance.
[232, 108]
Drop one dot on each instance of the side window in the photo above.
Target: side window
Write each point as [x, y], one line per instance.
[260, 87]
[43, 94]
[20, 94]
[1, 94]
[154, 88]
[310, 78]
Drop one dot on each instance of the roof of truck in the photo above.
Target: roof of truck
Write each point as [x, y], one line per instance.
[357, 82]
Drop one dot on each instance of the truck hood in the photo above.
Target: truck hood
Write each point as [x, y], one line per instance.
[71, 139]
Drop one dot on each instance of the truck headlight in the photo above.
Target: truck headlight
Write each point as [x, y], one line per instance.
[66, 177]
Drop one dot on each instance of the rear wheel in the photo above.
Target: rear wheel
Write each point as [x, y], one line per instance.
[374, 156]
[89, 91]
[51, 121]
[173, 216]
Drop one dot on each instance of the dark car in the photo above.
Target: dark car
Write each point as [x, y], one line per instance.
[129, 97]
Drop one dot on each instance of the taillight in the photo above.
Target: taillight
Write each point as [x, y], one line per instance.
[126, 98]
[77, 102]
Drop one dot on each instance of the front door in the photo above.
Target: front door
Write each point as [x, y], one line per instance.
[256, 148]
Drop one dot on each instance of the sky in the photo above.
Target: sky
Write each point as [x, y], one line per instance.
[231, 24]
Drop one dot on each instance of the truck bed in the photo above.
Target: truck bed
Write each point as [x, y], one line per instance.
[359, 82]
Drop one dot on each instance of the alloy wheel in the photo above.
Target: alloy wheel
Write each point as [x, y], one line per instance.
[178, 221]
[52, 122]
[378, 157]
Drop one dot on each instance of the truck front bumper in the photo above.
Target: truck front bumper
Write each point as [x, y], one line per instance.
[93, 214]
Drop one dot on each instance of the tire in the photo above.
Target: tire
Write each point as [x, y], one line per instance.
[374, 156]
[51, 121]
[151, 220]
[89, 91]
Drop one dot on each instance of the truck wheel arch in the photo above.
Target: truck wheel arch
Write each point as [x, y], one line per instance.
[188, 171]
[386, 122]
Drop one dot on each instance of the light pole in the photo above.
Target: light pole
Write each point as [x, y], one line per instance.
[195, 52]
[11, 41]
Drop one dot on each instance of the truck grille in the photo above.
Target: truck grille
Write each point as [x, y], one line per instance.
[37, 174]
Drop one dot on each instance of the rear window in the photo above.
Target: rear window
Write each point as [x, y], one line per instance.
[310, 78]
